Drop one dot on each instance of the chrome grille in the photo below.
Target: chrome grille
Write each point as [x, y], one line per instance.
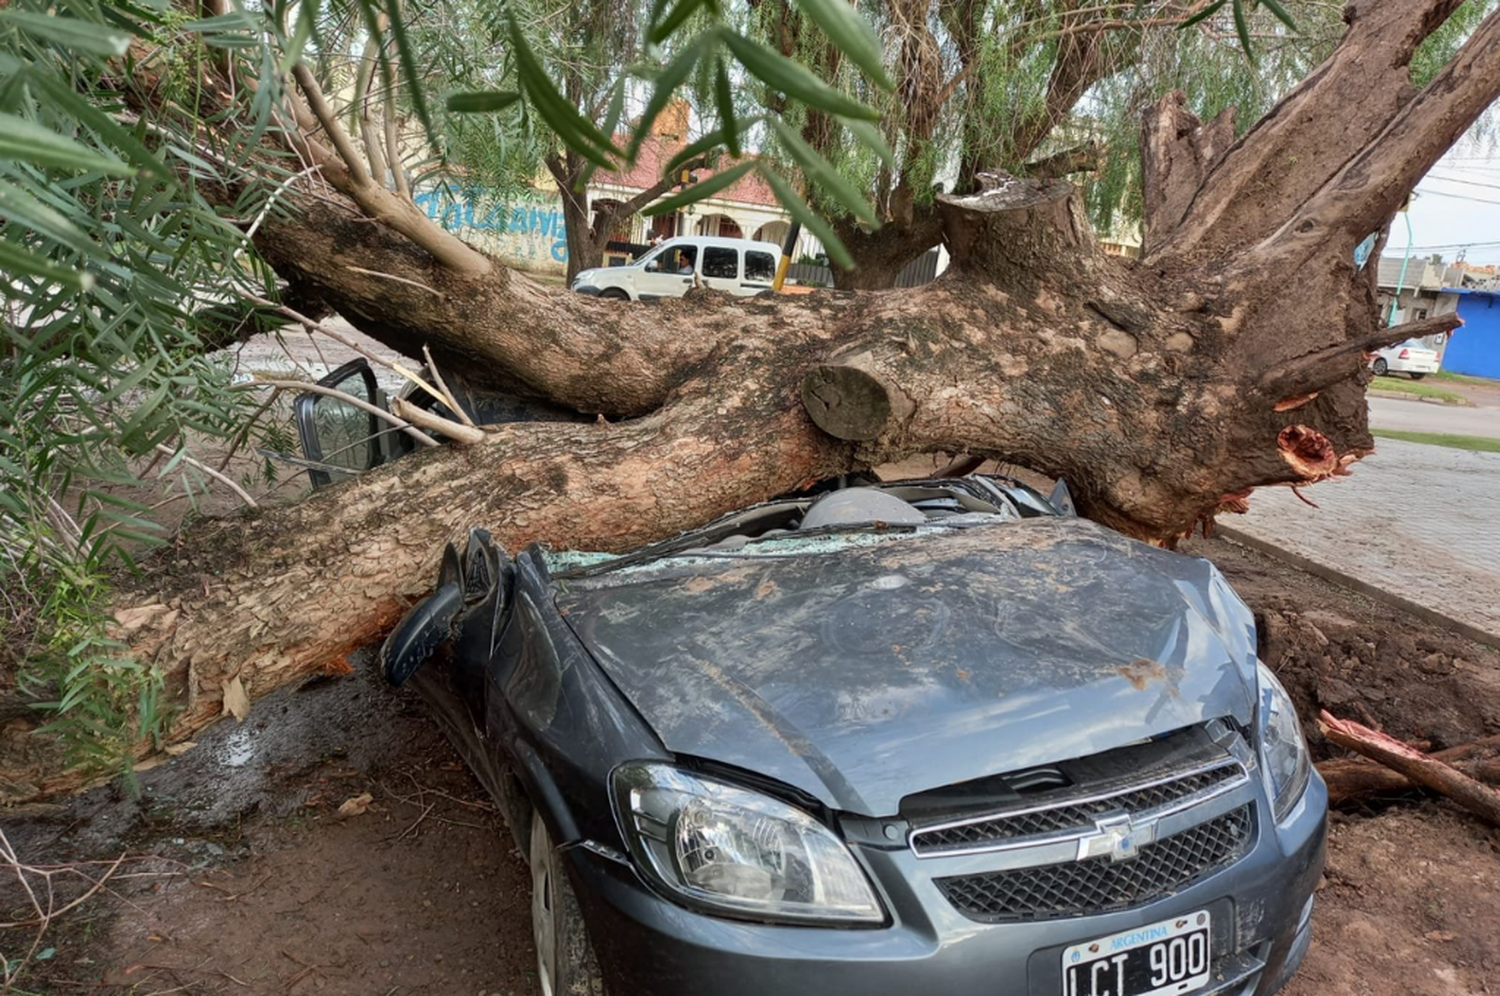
[1068, 816]
[1098, 885]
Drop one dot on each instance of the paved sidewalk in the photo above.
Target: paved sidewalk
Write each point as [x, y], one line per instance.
[1421, 522]
[1416, 416]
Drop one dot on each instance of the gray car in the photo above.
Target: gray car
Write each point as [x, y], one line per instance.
[920, 737]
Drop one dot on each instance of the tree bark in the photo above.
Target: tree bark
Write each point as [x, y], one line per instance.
[1426, 771]
[880, 256]
[567, 169]
[1227, 359]
[1350, 779]
[588, 236]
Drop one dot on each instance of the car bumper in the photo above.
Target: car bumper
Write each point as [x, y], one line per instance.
[1413, 366]
[1260, 907]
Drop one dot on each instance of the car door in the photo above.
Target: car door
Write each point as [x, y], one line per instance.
[721, 268]
[663, 274]
[760, 273]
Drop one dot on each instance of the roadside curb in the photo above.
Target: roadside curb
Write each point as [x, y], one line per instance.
[1376, 392]
[1365, 588]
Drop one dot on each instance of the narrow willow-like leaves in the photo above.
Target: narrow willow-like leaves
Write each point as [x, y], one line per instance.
[702, 190]
[794, 79]
[852, 34]
[809, 218]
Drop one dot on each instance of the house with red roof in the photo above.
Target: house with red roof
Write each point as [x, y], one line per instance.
[747, 209]
[527, 231]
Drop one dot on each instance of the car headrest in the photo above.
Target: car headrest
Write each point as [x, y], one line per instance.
[855, 505]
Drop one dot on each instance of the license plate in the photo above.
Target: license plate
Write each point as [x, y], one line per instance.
[1170, 958]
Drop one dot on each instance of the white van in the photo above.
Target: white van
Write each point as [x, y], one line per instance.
[737, 266]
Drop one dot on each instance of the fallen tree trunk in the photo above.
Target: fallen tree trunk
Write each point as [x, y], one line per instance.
[1164, 390]
[1351, 779]
[1421, 768]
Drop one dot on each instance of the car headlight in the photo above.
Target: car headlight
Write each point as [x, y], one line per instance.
[1283, 751]
[737, 851]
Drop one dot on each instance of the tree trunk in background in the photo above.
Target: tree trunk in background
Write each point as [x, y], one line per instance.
[566, 169]
[1230, 357]
[880, 256]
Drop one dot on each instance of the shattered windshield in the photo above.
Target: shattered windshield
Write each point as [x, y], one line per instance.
[691, 548]
[852, 515]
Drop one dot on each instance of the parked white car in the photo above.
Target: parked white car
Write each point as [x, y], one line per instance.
[1411, 357]
[737, 266]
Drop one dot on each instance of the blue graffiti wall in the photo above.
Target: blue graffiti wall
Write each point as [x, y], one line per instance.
[1475, 348]
[527, 231]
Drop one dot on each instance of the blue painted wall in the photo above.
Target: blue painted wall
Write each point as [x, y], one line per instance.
[1475, 348]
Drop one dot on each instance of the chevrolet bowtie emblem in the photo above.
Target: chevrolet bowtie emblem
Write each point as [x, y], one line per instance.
[1118, 837]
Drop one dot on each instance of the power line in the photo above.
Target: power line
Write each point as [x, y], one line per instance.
[1446, 246]
[1457, 197]
[1470, 183]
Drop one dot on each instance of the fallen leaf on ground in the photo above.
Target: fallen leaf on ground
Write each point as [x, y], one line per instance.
[357, 805]
[236, 702]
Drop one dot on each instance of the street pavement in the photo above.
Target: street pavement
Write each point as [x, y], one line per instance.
[1421, 416]
[1419, 521]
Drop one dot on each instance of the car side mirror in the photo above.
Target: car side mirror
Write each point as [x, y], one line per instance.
[339, 436]
[653, 267]
[1061, 498]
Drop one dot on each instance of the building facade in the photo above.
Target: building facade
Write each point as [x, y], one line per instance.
[1421, 292]
[1475, 348]
[526, 229]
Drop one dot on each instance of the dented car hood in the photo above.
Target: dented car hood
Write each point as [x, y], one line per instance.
[864, 667]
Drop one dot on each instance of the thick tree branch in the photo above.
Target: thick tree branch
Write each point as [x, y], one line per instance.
[1083, 59]
[1316, 370]
[1079, 159]
[463, 435]
[393, 150]
[1177, 153]
[643, 199]
[1355, 778]
[358, 177]
[884, 253]
[1312, 134]
[1378, 180]
[363, 79]
[501, 330]
[1427, 771]
[347, 175]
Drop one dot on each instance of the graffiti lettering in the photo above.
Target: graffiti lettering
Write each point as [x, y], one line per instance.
[531, 232]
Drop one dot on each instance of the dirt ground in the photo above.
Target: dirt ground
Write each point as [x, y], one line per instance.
[241, 877]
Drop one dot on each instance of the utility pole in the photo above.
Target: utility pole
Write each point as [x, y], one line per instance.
[787, 248]
[1405, 211]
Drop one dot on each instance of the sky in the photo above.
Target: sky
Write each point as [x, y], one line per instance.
[1456, 209]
